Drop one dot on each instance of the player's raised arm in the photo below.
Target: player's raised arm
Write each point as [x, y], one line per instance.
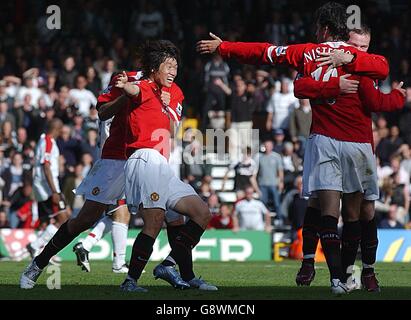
[254, 52]
[376, 101]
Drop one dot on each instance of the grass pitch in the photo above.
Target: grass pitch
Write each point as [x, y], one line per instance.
[236, 281]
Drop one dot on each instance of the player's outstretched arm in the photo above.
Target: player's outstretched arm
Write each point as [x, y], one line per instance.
[254, 52]
[376, 101]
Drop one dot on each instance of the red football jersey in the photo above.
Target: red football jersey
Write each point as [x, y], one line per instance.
[149, 119]
[370, 98]
[341, 118]
[114, 144]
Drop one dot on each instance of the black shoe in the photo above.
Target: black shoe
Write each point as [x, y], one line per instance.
[82, 257]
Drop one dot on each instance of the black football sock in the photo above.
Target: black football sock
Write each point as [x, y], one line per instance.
[311, 231]
[350, 242]
[172, 233]
[369, 245]
[331, 243]
[141, 252]
[60, 240]
[187, 239]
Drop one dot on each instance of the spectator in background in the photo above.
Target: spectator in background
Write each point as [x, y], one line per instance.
[388, 146]
[292, 165]
[294, 204]
[300, 121]
[13, 176]
[28, 89]
[107, 73]
[405, 118]
[194, 169]
[87, 162]
[75, 202]
[149, 22]
[279, 138]
[77, 131]
[68, 74]
[401, 198]
[5, 115]
[21, 215]
[245, 172]
[251, 214]
[280, 106]
[69, 148]
[216, 74]
[240, 120]
[4, 96]
[271, 177]
[213, 203]
[391, 222]
[261, 93]
[405, 152]
[223, 219]
[93, 81]
[82, 98]
[4, 222]
[92, 121]
[90, 145]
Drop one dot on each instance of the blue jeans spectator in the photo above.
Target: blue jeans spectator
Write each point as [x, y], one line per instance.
[272, 193]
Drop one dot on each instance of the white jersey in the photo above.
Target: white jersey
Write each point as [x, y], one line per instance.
[47, 151]
[251, 214]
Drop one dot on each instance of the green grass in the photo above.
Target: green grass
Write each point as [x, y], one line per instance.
[236, 280]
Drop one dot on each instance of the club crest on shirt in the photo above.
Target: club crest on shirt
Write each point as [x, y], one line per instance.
[95, 191]
[280, 51]
[154, 196]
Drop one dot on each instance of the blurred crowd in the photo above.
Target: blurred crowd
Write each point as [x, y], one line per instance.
[59, 73]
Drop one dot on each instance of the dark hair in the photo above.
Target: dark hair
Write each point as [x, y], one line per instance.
[365, 29]
[334, 16]
[154, 52]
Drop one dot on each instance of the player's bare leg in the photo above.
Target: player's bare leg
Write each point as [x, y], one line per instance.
[351, 235]
[330, 240]
[88, 215]
[369, 244]
[311, 236]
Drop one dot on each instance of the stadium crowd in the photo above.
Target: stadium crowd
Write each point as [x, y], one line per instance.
[59, 73]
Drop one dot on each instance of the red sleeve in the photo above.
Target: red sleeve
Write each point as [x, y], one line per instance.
[110, 93]
[370, 65]
[308, 88]
[263, 53]
[376, 101]
[47, 151]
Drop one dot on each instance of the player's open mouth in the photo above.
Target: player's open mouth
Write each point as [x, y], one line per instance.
[170, 80]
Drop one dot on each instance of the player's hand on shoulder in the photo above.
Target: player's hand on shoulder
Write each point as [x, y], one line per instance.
[209, 46]
[348, 86]
[334, 58]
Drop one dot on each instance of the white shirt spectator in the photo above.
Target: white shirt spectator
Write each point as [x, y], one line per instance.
[251, 214]
[83, 99]
[281, 105]
[34, 92]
